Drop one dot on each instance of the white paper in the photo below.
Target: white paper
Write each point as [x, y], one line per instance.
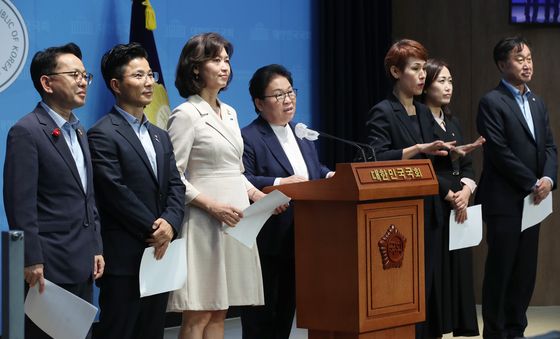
[255, 216]
[164, 275]
[534, 214]
[467, 234]
[59, 313]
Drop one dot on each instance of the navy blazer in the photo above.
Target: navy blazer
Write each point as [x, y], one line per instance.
[44, 197]
[130, 196]
[265, 160]
[513, 159]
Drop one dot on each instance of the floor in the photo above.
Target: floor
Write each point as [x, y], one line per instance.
[543, 320]
[233, 331]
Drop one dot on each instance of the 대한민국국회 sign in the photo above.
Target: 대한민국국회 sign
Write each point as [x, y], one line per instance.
[15, 44]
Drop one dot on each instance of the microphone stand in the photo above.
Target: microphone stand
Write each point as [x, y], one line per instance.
[355, 144]
[371, 148]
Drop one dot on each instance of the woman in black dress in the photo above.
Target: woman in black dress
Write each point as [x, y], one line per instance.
[456, 184]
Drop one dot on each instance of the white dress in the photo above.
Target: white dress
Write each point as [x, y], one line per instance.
[221, 272]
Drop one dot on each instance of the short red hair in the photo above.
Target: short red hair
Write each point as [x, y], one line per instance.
[399, 53]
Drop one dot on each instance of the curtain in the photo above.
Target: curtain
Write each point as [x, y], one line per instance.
[352, 38]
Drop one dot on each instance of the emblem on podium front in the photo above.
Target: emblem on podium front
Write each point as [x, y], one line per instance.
[391, 246]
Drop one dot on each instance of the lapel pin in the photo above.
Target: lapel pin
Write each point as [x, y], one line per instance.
[534, 99]
[79, 131]
[56, 132]
[156, 137]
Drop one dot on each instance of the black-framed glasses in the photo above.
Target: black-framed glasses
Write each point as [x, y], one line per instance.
[77, 75]
[145, 76]
[281, 97]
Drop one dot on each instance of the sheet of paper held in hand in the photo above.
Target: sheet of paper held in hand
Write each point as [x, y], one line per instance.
[255, 216]
[467, 234]
[164, 275]
[534, 214]
[59, 313]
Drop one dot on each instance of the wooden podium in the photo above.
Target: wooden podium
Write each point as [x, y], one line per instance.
[359, 241]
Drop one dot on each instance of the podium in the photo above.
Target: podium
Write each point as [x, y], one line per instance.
[359, 246]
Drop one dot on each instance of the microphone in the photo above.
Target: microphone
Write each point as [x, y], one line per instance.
[303, 132]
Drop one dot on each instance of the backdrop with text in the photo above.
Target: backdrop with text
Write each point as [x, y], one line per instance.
[262, 32]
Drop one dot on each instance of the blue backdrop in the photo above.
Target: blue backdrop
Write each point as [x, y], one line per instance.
[262, 32]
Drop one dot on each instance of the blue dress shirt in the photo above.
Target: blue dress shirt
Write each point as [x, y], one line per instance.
[68, 129]
[141, 130]
[523, 103]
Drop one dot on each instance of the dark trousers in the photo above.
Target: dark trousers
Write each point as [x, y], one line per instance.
[509, 276]
[274, 319]
[124, 314]
[82, 290]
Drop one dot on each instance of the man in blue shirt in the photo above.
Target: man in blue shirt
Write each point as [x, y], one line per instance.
[48, 188]
[520, 158]
[139, 194]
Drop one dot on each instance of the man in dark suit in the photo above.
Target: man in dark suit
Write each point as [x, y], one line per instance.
[139, 194]
[273, 156]
[519, 159]
[48, 188]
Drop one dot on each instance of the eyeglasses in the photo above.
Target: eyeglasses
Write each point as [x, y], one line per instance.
[281, 97]
[77, 75]
[144, 76]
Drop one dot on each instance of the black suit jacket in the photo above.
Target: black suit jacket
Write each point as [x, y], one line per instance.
[44, 197]
[513, 159]
[130, 197]
[265, 160]
[449, 172]
[390, 130]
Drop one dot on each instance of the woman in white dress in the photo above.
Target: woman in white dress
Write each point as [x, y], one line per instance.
[208, 148]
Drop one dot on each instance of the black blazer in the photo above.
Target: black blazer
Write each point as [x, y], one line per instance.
[130, 197]
[264, 160]
[390, 130]
[44, 197]
[513, 159]
[450, 172]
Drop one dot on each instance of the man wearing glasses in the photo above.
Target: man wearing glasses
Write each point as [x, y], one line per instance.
[139, 194]
[48, 187]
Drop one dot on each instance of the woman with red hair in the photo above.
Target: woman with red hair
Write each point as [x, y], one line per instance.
[401, 128]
